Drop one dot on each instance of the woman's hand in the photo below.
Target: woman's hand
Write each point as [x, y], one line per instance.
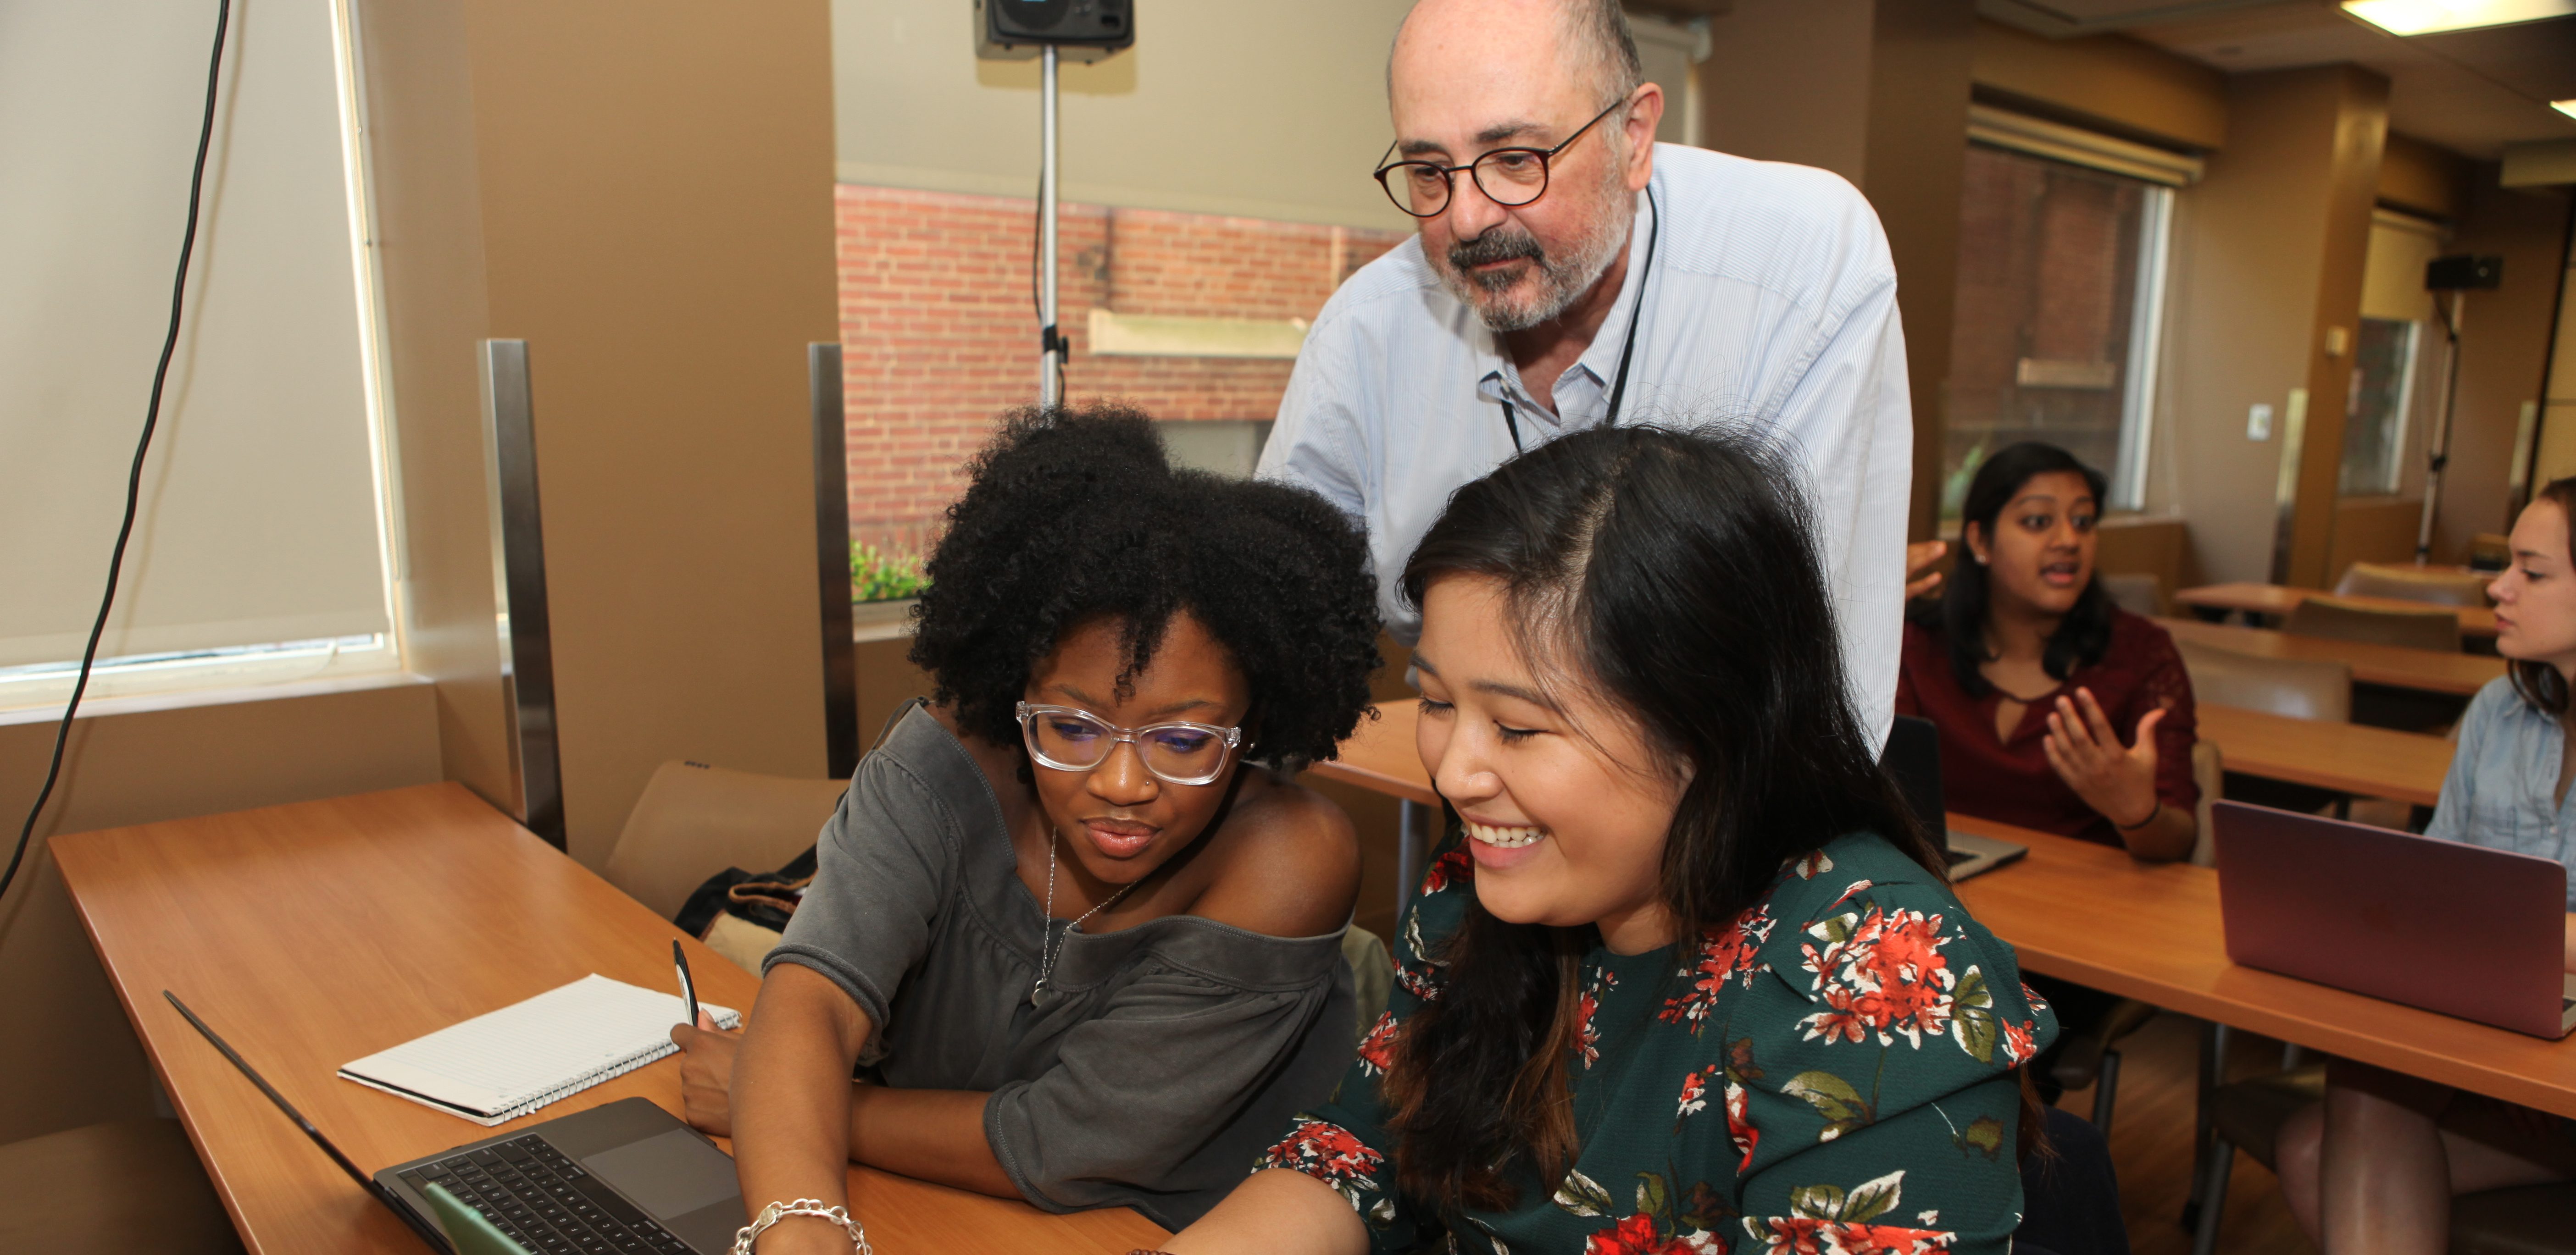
[1919, 579]
[2118, 783]
[706, 1075]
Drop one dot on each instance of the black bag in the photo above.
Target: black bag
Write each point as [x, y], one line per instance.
[767, 899]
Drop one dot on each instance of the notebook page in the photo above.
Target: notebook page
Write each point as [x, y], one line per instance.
[552, 1044]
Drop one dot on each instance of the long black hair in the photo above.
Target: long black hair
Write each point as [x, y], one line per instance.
[1675, 574]
[1073, 515]
[1960, 614]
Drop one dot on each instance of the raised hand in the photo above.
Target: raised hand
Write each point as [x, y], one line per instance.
[2118, 782]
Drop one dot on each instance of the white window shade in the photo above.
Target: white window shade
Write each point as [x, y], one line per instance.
[2038, 137]
[259, 518]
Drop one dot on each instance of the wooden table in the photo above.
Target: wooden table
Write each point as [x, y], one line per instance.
[2094, 915]
[2346, 757]
[2371, 762]
[2091, 914]
[2395, 666]
[310, 935]
[2277, 599]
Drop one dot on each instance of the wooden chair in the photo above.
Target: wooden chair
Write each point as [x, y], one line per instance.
[694, 821]
[2412, 583]
[2490, 553]
[108, 1189]
[2282, 686]
[2138, 592]
[2336, 619]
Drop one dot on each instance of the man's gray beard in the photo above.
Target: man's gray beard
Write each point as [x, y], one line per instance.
[1560, 281]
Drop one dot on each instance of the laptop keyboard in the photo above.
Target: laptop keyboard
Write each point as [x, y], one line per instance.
[544, 1200]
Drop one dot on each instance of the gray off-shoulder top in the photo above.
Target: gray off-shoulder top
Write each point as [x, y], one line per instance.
[1165, 1057]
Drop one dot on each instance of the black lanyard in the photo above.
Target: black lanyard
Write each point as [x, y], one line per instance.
[1636, 316]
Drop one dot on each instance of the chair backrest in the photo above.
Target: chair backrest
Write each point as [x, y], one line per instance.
[2138, 592]
[2407, 583]
[694, 821]
[2490, 552]
[2432, 627]
[2281, 686]
[2208, 772]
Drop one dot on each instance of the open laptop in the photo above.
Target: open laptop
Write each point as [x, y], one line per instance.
[2442, 925]
[1913, 760]
[623, 1178]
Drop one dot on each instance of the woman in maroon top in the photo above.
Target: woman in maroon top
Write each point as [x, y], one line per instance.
[2032, 674]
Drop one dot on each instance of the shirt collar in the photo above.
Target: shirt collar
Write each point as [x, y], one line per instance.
[1501, 380]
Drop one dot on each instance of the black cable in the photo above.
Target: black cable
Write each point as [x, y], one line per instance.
[143, 446]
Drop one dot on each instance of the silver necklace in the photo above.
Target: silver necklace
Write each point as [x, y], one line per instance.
[1038, 993]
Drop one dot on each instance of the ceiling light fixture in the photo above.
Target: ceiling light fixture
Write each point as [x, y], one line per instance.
[2425, 17]
[2567, 107]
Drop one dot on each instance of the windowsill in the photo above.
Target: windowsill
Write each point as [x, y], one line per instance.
[144, 703]
[881, 620]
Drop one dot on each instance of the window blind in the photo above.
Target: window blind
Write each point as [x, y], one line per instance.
[2002, 128]
[259, 519]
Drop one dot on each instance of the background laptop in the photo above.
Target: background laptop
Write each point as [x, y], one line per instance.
[625, 1177]
[1913, 760]
[2455, 928]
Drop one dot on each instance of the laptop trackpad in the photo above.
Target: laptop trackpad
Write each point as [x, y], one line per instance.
[668, 1174]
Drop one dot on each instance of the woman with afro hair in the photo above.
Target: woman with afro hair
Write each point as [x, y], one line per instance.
[1074, 923]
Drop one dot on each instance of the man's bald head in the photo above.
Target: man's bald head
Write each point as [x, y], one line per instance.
[1591, 37]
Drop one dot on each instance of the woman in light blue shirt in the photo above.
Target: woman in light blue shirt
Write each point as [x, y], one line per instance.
[2373, 1168]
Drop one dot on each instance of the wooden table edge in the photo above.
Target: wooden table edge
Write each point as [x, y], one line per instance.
[2339, 1039]
[180, 1106]
[859, 1176]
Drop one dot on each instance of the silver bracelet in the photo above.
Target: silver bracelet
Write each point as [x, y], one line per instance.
[775, 1212]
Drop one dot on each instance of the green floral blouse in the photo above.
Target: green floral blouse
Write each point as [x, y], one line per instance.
[1830, 1073]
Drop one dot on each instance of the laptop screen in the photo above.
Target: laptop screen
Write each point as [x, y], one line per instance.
[1913, 760]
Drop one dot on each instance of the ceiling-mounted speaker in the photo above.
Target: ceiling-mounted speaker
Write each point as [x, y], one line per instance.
[1079, 30]
[2461, 272]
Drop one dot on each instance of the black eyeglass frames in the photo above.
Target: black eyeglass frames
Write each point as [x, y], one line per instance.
[1507, 176]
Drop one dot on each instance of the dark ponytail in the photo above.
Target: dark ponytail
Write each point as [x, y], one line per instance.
[1675, 574]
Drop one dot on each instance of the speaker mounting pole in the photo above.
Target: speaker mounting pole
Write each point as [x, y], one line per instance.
[1051, 343]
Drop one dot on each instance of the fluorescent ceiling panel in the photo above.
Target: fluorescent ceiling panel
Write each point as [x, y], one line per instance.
[2420, 17]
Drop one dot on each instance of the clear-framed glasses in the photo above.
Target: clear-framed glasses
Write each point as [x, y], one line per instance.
[1510, 177]
[1067, 739]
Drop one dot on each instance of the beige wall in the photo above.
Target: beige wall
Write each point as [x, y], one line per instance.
[75, 1060]
[2373, 529]
[2268, 253]
[1222, 106]
[2504, 351]
[1878, 93]
[2422, 178]
[644, 194]
[2107, 81]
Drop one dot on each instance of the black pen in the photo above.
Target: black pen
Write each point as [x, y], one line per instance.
[688, 988]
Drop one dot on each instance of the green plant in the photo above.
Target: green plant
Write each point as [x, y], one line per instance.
[878, 576]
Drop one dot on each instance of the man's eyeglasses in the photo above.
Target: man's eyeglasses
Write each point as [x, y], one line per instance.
[1067, 739]
[1510, 177]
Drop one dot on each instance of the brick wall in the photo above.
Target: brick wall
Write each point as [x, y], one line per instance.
[2047, 269]
[939, 326]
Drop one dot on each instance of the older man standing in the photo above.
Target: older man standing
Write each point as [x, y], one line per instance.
[1569, 273]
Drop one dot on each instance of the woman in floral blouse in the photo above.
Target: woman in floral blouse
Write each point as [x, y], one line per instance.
[1685, 978]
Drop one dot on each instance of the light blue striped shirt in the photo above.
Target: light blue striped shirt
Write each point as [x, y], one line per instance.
[2500, 791]
[1772, 303]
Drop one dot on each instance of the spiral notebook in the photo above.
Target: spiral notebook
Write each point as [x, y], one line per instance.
[505, 1064]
